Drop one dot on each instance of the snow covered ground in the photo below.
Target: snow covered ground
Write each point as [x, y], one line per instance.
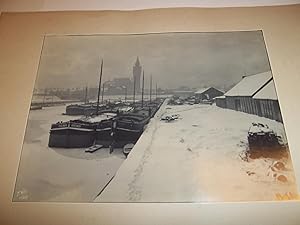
[200, 158]
[52, 174]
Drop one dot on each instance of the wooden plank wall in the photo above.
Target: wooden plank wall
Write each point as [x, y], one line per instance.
[262, 107]
[221, 102]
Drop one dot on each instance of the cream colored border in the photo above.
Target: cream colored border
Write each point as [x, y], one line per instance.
[21, 36]
[57, 5]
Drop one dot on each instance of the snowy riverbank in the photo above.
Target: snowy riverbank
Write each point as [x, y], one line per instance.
[198, 158]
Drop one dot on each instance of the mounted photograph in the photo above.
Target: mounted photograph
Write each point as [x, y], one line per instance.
[155, 117]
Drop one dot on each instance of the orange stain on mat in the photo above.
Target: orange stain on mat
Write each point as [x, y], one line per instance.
[287, 196]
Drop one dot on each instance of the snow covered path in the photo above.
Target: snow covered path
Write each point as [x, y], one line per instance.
[198, 158]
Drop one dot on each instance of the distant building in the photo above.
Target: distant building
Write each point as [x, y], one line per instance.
[122, 81]
[118, 86]
[254, 94]
[207, 93]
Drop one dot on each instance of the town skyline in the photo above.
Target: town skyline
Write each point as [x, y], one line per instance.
[194, 60]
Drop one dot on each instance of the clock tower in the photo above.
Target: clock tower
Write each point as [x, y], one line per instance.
[137, 71]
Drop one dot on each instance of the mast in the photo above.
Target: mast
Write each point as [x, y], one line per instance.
[150, 87]
[156, 91]
[86, 95]
[99, 87]
[134, 90]
[143, 89]
[102, 93]
[125, 99]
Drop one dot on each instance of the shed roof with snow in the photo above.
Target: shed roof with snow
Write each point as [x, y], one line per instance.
[200, 91]
[267, 92]
[249, 85]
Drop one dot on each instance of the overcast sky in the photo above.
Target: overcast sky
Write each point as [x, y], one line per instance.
[174, 59]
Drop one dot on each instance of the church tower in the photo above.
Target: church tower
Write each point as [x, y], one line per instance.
[137, 71]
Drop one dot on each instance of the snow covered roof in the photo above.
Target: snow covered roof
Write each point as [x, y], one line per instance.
[250, 84]
[267, 92]
[200, 91]
[222, 96]
[99, 118]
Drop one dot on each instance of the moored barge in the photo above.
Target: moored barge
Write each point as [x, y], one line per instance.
[128, 128]
[83, 132]
[72, 134]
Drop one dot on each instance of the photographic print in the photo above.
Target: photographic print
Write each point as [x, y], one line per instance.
[155, 117]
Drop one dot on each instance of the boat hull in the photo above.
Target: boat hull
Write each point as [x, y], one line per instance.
[128, 131]
[71, 136]
[125, 136]
[104, 133]
[74, 110]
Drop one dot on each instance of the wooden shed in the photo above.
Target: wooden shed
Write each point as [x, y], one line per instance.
[240, 97]
[267, 101]
[221, 101]
[207, 93]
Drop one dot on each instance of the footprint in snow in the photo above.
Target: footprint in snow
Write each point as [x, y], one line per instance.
[189, 149]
